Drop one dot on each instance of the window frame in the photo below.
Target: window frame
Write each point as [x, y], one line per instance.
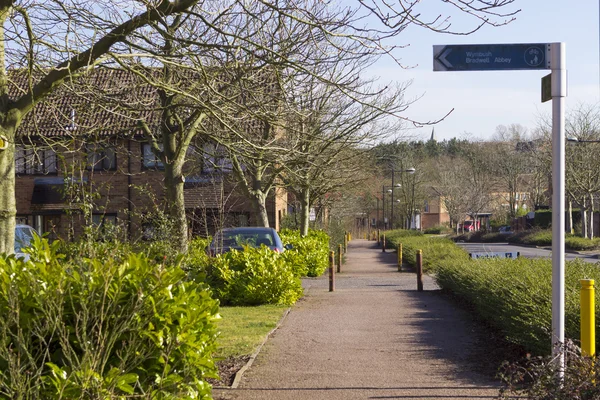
[101, 158]
[156, 163]
[32, 161]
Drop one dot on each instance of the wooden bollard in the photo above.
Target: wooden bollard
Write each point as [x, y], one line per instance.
[339, 260]
[420, 270]
[378, 238]
[383, 243]
[399, 257]
[331, 271]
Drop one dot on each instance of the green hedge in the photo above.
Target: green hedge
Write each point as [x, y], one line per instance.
[436, 230]
[310, 254]
[512, 295]
[103, 328]
[534, 237]
[515, 295]
[254, 276]
[436, 250]
[543, 218]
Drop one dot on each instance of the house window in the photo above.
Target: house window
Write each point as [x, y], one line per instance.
[100, 220]
[101, 159]
[34, 161]
[426, 207]
[149, 159]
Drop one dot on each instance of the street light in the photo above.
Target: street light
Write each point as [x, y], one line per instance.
[388, 189]
[411, 171]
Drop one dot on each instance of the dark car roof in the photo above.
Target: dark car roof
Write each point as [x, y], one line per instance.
[248, 229]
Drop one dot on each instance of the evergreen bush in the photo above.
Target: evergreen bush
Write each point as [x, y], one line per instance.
[310, 254]
[103, 328]
[254, 276]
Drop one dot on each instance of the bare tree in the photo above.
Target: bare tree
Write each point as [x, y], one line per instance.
[510, 162]
[52, 41]
[329, 126]
[448, 182]
[582, 163]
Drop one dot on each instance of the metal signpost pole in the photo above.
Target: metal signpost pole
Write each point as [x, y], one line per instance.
[530, 56]
[559, 92]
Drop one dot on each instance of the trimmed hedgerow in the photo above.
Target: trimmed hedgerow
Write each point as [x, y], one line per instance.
[512, 295]
[515, 295]
[438, 229]
[436, 250]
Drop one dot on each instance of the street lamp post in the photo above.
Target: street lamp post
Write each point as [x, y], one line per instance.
[409, 171]
[389, 189]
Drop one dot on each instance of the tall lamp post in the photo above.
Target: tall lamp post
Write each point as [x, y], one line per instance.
[408, 171]
[388, 189]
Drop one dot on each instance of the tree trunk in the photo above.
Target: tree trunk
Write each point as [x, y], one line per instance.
[584, 232]
[591, 216]
[11, 120]
[176, 205]
[304, 211]
[570, 218]
[8, 207]
[259, 203]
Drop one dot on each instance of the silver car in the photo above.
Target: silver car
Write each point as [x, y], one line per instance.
[24, 235]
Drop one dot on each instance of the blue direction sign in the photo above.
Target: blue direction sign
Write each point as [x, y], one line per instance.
[498, 254]
[491, 57]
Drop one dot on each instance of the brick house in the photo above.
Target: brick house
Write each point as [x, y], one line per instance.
[434, 213]
[74, 156]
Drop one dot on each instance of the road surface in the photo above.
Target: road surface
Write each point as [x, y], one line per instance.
[529, 252]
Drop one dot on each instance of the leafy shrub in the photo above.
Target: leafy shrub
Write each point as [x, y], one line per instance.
[544, 238]
[437, 230]
[80, 249]
[436, 251]
[542, 219]
[481, 237]
[254, 276]
[512, 295]
[533, 237]
[197, 260]
[579, 243]
[536, 378]
[310, 254]
[515, 295]
[99, 329]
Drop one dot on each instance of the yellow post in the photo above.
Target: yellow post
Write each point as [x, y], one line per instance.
[399, 257]
[588, 317]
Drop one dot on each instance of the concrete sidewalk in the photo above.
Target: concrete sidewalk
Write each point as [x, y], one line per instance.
[375, 337]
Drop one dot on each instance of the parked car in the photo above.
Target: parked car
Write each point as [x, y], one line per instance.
[24, 235]
[505, 230]
[469, 226]
[235, 238]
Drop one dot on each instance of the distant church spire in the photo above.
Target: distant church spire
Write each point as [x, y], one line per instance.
[433, 139]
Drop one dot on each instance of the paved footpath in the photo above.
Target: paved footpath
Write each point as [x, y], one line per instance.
[375, 337]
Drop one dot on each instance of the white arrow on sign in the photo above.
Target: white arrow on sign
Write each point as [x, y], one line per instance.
[442, 58]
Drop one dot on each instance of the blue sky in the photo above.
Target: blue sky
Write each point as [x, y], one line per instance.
[484, 100]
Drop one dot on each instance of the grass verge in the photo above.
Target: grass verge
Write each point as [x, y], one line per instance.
[242, 329]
